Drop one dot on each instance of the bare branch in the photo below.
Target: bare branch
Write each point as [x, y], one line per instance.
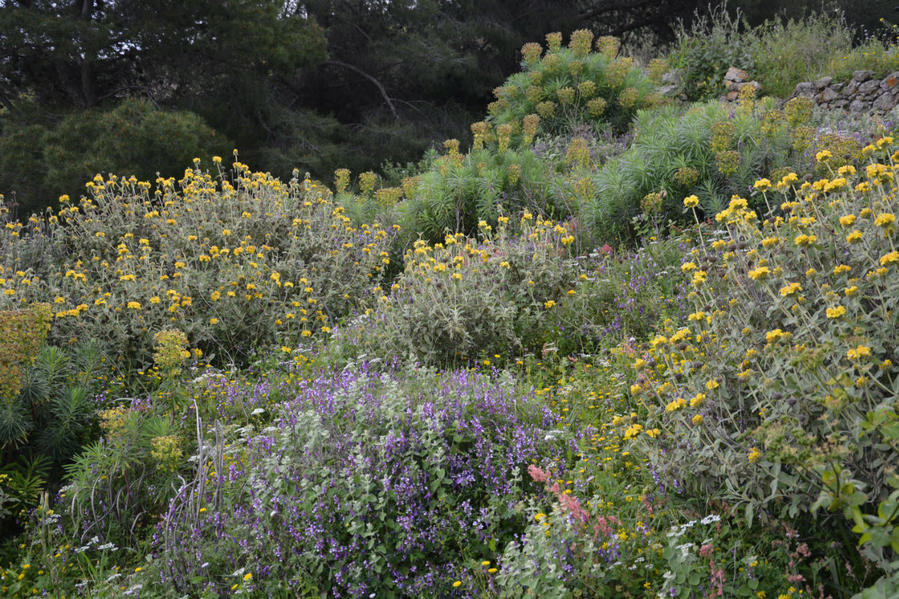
[377, 83]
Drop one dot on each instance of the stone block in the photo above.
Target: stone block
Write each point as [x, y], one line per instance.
[862, 75]
[671, 78]
[829, 94]
[858, 106]
[805, 88]
[891, 81]
[823, 82]
[735, 74]
[869, 86]
[884, 102]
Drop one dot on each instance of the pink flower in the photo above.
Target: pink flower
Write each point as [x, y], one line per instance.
[537, 474]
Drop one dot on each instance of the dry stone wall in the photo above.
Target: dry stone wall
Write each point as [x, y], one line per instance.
[863, 93]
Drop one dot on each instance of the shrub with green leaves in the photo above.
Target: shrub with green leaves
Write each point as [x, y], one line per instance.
[234, 263]
[797, 410]
[40, 161]
[462, 299]
[370, 482]
[565, 86]
[703, 53]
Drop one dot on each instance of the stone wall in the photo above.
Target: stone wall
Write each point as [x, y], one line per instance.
[862, 93]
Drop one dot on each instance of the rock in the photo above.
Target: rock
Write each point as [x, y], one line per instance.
[805, 88]
[841, 103]
[862, 75]
[858, 106]
[735, 74]
[669, 90]
[732, 96]
[869, 86]
[823, 82]
[891, 81]
[829, 95]
[884, 103]
[851, 88]
[671, 78]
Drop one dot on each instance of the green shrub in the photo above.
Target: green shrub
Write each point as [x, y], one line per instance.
[235, 265]
[370, 482]
[785, 52]
[570, 86]
[711, 151]
[703, 53]
[797, 410]
[40, 162]
[462, 299]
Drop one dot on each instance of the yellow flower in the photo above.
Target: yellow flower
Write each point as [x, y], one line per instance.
[133, 305]
[851, 290]
[790, 289]
[759, 273]
[697, 419]
[890, 258]
[887, 219]
[691, 201]
[699, 277]
[823, 155]
[248, 576]
[805, 239]
[688, 266]
[457, 584]
[762, 185]
[836, 312]
[754, 454]
[776, 334]
[854, 237]
[213, 321]
[697, 400]
[858, 352]
[675, 405]
[549, 304]
[711, 385]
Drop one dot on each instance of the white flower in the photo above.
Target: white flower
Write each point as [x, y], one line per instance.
[711, 518]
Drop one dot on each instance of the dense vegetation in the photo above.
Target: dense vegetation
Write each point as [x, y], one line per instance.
[621, 345]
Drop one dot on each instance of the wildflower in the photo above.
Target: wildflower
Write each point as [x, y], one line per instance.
[688, 266]
[858, 352]
[697, 419]
[691, 201]
[754, 454]
[699, 277]
[854, 237]
[775, 335]
[851, 290]
[805, 239]
[711, 385]
[248, 576]
[836, 312]
[790, 289]
[762, 185]
[823, 155]
[133, 305]
[890, 258]
[759, 273]
[697, 400]
[887, 219]
[457, 584]
[675, 405]
[549, 304]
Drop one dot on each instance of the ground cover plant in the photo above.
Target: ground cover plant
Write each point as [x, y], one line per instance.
[646, 352]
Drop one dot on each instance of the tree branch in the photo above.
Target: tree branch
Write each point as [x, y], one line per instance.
[377, 83]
